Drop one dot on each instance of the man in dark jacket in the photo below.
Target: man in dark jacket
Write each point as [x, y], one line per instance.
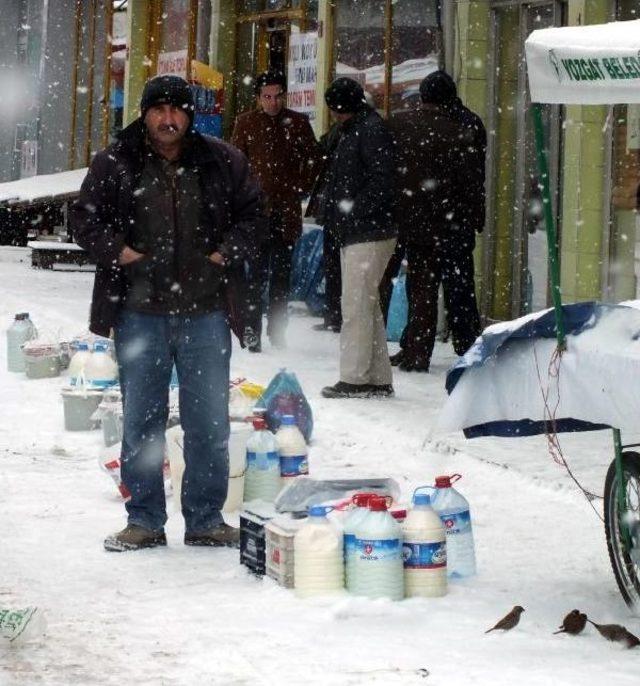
[358, 208]
[284, 155]
[166, 213]
[440, 151]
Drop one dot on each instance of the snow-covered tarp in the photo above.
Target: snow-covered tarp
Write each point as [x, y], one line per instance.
[37, 188]
[509, 383]
[597, 64]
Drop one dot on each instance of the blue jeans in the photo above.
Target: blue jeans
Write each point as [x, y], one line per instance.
[147, 345]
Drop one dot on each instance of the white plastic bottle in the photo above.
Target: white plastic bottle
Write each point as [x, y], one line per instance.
[317, 555]
[18, 626]
[78, 363]
[453, 510]
[424, 551]
[378, 563]
[292, 449]
[351, 522]
[100, 370]
[21, 331]
[262, 478]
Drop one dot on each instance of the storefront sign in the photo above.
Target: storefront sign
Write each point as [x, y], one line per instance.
[173, 63]
[301, 73]
[595, 64]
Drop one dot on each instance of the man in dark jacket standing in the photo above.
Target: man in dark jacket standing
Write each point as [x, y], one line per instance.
[440, 207]
[359, 195]
[284, 155]
[165, 212]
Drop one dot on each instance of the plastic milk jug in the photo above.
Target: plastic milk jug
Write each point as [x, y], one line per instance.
[21, 331]
[378, 563]
[292, 449]
[78, 363]
[352, 520]
[262, 478]
[453, 510]
[424, 550]
[317, 555]
[100, 370]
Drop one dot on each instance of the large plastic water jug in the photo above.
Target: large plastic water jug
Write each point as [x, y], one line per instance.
[424, 551]
[100, 370]
[262, 479]
[378, 563]
[352, 520]
[21, 331]
[78, 363]
[317, 555]
[292, 449]
[453, 509]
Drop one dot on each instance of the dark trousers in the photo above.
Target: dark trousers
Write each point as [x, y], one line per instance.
[270, 273]
[332, 279]
[427, 268]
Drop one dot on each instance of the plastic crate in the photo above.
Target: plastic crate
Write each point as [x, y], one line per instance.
[279, 535]
[252, 541]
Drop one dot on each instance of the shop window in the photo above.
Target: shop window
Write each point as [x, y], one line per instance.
[361, 37]
[359, 45]
[624, 272]
[415, 50]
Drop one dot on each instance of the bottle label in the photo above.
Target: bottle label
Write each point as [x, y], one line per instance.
[294, 465]
[424, 555]
[262, 461]
[381, 550]
[458, 523]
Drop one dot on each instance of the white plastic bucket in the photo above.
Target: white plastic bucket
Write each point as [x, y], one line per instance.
[238, 437]
[79, 406]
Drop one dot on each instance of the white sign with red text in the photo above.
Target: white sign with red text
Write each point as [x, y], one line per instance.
[301, 73]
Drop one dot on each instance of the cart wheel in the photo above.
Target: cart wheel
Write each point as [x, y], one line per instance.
[626, 564]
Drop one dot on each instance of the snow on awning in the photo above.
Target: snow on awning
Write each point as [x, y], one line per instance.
[37, 188]
[592, 65]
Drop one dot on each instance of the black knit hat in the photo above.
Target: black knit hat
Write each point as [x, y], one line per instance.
[167, 90]
[269, 78]
[438, 88]
[345, 96]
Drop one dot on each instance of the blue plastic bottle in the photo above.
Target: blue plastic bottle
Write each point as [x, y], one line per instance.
[453, 509]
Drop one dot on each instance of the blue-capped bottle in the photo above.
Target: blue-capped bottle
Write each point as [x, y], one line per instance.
[453, 509]
[424, 550]
[292, 449]
[317, 555]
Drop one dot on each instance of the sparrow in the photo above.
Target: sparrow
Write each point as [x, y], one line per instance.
[508, 621]
[573, 623]
[615, 632]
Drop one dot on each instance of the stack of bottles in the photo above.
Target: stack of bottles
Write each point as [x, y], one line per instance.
[380, 558]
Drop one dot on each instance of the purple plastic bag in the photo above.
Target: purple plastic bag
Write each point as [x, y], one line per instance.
[284, 395]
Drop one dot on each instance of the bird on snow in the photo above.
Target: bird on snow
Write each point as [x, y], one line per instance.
[615, 632]
[573, 623]
[508, 621]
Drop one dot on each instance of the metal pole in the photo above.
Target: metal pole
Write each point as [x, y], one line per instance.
[552, 242]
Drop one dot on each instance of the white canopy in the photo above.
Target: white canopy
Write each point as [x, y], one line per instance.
[591, 65]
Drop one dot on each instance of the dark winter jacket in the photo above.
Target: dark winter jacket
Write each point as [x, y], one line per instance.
[436, 182]
[284, 155]
[474, 137]
[103, 217]
[360, 181]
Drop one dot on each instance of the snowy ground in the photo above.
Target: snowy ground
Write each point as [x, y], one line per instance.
[187, 616]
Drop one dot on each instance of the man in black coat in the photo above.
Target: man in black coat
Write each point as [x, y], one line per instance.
[359, 193]
[167, 214]
[440, 154]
